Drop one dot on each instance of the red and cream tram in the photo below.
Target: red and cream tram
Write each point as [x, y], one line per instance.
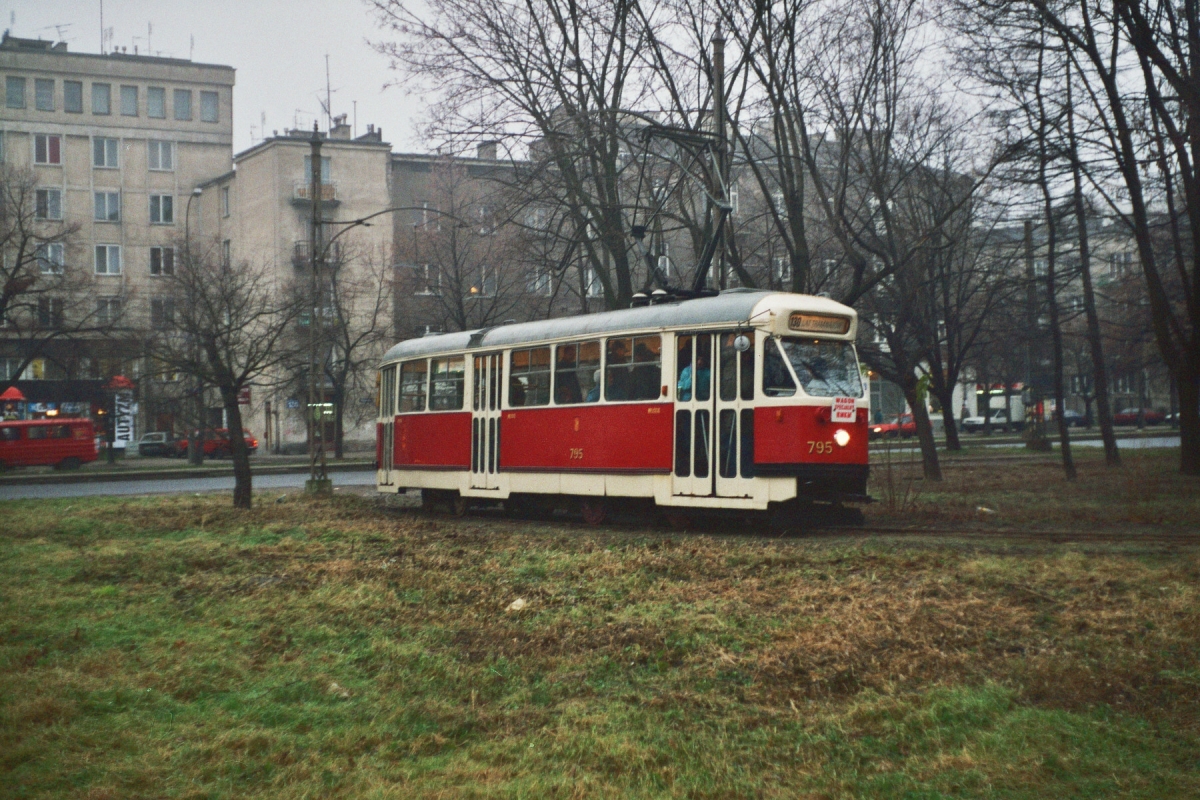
[746, 400]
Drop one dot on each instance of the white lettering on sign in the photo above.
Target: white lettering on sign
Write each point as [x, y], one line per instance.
[843, 409]
[123, 411]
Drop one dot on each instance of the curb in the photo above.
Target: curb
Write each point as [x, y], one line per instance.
[176, 474]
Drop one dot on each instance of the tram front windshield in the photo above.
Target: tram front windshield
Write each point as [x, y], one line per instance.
[825, 368]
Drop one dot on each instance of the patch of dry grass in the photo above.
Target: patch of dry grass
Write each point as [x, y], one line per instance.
[175, 647]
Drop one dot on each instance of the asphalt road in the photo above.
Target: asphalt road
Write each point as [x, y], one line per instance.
[174, 486]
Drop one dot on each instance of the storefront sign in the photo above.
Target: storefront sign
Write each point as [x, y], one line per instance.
[123, 411]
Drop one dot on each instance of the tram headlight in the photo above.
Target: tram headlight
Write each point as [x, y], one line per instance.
[842, 437]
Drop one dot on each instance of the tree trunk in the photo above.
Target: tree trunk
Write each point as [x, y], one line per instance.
[1189, 419]
[945, 396]
[339, 411]
[237, 449]
[929, 455]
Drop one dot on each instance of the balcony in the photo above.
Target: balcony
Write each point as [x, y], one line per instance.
[301, 193]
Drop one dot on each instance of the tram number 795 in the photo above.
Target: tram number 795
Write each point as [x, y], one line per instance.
[820, 447]
[576, 453]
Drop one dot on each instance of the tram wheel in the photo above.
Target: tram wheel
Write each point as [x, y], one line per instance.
[458, 505]
[429, 500]
[594, 511]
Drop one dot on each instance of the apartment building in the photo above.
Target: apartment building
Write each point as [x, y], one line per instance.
[117, 143]
[259, 214]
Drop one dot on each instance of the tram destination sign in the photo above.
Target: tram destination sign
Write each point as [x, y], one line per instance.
[818, 323]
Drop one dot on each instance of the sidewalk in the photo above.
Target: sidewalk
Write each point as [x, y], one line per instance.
[133, 467]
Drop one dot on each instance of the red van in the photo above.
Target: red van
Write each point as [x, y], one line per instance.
[65, 443]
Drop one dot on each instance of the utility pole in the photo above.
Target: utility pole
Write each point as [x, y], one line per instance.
[718, 84]
[318, 479]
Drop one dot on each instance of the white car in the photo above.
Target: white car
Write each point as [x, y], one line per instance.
[999, 422]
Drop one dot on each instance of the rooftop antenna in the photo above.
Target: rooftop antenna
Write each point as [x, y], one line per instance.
[149, 33]
[101, 26]
[328, 97]
[192, 46]
[355, 133]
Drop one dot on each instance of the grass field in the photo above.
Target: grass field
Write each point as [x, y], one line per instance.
[344, 648]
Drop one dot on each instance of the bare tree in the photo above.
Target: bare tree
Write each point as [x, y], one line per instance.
[558, 78]
[231, 323]
[48, 297]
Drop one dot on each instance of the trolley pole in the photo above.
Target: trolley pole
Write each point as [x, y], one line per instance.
[318, 478]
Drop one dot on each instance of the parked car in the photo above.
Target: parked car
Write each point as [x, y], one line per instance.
[216, 444]
[65, 443]
[1129, 416]
[999, 422]
[1074, 419]
[903, 425]
[158, 443]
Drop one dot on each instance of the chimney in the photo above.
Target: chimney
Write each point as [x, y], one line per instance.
[340, 129]
[486, 151]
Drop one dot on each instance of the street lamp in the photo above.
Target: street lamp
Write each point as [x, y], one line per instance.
[196, 441]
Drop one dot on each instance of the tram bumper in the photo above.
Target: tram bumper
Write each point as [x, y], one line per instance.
[839, 483]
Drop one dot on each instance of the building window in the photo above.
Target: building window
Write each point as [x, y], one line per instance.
[47, 149]
[43, 94]
[591, 283]
[101, 98]
[1120, 263]
[156, 102]
[183, 104]
[226, 253]
[162, 313]
[108, 259]
[426, 217]
[782, 271]
[104, 153]
[326, 169]
[51, 258]
[161, 155]
[50, 312]
[208, 106]
[224, 201]
[734, 199]
[14, 92]
[1039, 267]
[73, 97]
[538, 281]
[664, 258]
[48, 204]
[129, 101]
[162, 209]
[162, 260]
[108, 310]
[108, 206]
[428, 279]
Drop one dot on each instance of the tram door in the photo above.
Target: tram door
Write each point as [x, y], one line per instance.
[693, 415]
[734, 415]
[714, 415]
[387, 432]
[485, 421]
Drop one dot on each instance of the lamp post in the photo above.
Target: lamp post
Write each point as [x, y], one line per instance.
[196, 441]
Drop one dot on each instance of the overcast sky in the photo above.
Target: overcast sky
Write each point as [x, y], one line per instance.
[278, 48]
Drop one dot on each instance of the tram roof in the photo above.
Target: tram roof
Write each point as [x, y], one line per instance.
[733, 306]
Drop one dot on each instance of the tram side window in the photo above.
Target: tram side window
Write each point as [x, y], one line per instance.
[634, 369]
[777, 380]
[38, 432]
[412, 385]
[577, 373]
[10, 434]
[446, 392]
[62, 432]
[529, 377]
